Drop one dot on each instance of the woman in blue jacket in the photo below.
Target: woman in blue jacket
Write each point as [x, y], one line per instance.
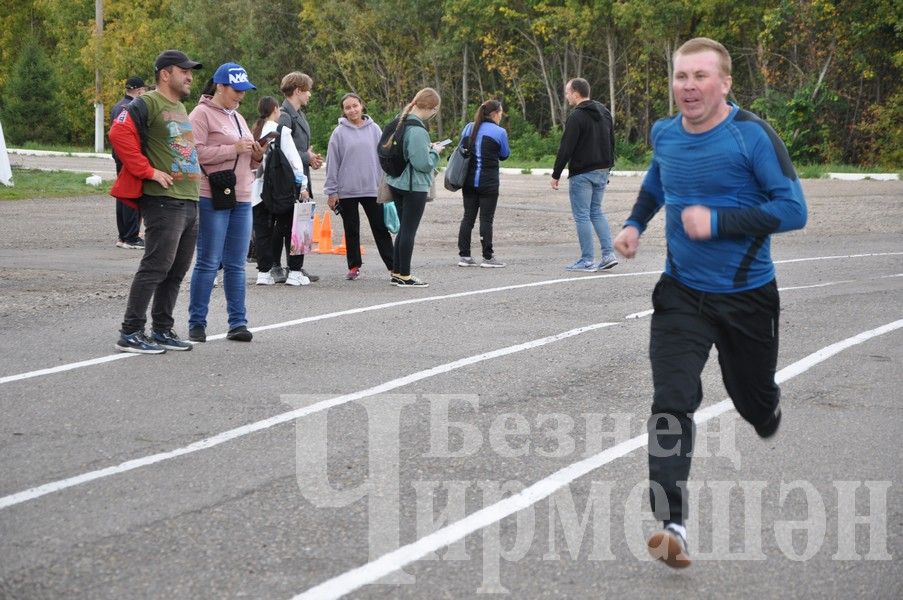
[489, 145]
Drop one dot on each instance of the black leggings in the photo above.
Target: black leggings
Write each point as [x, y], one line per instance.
[410, 206]
[686, 323]
[352, 221]
[484, 201]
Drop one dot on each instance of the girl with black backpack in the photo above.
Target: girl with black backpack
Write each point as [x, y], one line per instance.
[409, 190]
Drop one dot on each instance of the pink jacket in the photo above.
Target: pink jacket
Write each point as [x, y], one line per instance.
[215, 134]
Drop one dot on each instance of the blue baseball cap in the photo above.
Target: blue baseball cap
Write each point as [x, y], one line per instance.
[235, 76]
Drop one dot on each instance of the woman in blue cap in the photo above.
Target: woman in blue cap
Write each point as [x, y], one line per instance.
[224, 142]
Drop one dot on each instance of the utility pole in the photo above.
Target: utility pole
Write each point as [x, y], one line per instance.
[99, 120]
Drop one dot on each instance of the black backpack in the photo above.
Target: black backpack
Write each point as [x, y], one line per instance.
[279, 192]
[391, 146]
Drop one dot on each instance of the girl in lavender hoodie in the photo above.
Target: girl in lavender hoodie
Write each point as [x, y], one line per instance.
[352, 179]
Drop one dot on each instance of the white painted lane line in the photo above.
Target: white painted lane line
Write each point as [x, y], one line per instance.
[787, 261]
[221, 438]
[388, 563]
[67, 367]
[640, 315]
[816, 285]
[363, 309]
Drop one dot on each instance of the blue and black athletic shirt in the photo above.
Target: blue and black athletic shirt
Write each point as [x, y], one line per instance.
[491, 147]
[739, 169]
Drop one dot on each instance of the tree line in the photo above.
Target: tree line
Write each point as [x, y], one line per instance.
[825, 73]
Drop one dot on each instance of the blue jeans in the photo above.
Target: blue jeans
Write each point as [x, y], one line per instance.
[223, 237]
[586, 192]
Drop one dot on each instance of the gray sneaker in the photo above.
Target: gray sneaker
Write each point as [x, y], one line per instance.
[170, 340]
[467, 261]
[309, 276]
[279, 274]
[492, 263]
[607, 262]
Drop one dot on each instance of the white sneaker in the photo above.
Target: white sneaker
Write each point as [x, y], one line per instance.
[297, 278]
[264, 278]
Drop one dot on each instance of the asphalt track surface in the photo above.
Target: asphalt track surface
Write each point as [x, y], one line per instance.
[316, 460]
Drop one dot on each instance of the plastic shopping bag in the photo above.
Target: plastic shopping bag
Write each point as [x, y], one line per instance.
[303, 227]
[390, 217]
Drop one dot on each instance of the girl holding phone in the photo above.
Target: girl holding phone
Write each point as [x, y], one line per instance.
[409, 190]
[273, 232]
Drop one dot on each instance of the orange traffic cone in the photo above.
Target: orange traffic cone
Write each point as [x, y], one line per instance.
[325, 245]
[341, 248]
[316, 229]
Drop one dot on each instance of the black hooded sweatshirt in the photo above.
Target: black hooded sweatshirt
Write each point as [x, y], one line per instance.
[588, 142]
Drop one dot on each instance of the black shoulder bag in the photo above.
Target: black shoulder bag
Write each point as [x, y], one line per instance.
[222, 183]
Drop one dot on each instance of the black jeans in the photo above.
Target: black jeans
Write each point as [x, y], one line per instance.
[128, 220]
[410, 206]
[272, 233]
[484, 201]
[171, 231]
[351, 220]
[686, 323]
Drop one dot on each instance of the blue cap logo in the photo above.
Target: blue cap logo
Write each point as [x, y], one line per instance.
[235, 76]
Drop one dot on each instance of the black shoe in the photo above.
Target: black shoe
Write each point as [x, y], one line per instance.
[770, 427]
[409, 281]
[309, 276]
[669, 546]
[279, 274]
[138, 343]
[240, 334]
[170, 341]
[197, 334]
[137, 244]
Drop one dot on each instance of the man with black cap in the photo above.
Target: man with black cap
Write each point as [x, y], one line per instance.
[160, 175]
[128, 219]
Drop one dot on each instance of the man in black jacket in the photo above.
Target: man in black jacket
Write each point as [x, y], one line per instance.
[128, 219]
[588, 148]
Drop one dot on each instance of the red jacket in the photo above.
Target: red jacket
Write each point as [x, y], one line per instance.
[126, 140]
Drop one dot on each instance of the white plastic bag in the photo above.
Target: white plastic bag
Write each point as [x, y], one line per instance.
[303, 227]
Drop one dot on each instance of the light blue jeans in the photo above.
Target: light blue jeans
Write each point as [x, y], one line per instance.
[223, 237]
[586, 192]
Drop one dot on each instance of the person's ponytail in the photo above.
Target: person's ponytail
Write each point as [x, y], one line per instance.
[482, 114]
[425, 99]
[265, 108]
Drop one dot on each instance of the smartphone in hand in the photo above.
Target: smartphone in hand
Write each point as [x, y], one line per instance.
[268, 138]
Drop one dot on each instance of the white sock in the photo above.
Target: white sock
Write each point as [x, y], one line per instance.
[679, 529]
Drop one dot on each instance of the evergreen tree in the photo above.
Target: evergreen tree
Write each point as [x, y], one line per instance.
[29, 99]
